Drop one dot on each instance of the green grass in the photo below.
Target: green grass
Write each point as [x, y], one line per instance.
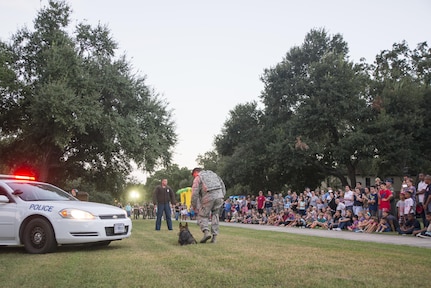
[241, 258]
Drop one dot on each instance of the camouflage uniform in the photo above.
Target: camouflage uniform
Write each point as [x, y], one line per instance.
[208, 191]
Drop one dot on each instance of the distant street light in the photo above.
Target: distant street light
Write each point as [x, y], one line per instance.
[134, 195]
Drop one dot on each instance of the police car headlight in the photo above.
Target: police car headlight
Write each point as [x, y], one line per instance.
[76, 214]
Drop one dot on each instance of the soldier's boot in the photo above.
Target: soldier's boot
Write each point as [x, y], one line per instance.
[206, 237]
[214, 239]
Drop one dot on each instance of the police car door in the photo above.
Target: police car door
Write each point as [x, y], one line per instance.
[7, 218]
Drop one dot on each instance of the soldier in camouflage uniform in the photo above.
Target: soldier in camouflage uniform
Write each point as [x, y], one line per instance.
[150, 210]
[208, 191]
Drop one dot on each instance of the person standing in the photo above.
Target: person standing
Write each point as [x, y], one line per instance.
[208, 191]
[177, 211]
[385, 196]
[129, 210]
[389, 186]
[373, 201]
[268, 203]
[348, 198]
[260, 202]
[163, 196]
[427, 194]
[420, 193]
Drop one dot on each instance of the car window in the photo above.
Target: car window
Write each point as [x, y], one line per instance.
[28, 191]
[3, 192]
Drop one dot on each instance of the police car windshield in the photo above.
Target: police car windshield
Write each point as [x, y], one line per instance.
[39, 192]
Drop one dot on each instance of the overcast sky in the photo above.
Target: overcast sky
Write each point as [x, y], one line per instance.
[205, 57]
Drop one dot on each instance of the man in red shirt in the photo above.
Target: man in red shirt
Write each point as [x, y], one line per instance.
[260, 202]
[385, 196]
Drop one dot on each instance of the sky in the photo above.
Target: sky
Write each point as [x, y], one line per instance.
[206, 57]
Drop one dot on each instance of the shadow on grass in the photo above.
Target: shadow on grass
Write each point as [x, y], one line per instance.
[61, 249]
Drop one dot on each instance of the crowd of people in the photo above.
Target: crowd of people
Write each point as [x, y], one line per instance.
[374, 209]
[145, 211]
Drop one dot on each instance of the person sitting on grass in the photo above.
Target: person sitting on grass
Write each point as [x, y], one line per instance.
[263, 219]
[355, 222]
[383, 226]
[255, 217]
[272, 218]
[248, 217]
[335, 219]
[279, 219]
[361, 216]
[426, 231]
[298, 222]
[391, 220]
[345, 221]
[372, 225]
[426, 228]
[288, 216]
[410, 225]
[319, 222]
[364, 222]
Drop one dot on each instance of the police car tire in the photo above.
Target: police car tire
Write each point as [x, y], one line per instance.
[38, 237]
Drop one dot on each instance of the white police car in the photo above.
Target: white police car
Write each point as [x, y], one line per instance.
[41, 216]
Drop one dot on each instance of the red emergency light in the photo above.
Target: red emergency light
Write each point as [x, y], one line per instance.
[22, 177]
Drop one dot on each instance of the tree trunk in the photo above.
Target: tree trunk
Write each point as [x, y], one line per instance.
[44, 167]
[351, 171]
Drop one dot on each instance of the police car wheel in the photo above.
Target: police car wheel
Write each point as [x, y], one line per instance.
[39, 237]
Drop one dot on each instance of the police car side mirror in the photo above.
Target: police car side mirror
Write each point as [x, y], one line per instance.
[4, 199]
[17, 192]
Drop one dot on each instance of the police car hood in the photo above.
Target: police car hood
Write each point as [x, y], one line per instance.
[94, 208]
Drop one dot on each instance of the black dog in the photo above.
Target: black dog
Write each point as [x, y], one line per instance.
[185, 237]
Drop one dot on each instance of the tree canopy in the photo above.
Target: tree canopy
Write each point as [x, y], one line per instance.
[71, 107]
[324, 115]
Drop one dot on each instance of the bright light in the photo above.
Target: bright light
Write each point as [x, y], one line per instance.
[76, 214]
[134, 195]
[22, 177]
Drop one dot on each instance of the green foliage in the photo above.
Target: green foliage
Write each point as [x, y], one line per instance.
[177, 178]
[101, 197]
[72, 108]
[210, 161]
[400, 93]
[326, 116]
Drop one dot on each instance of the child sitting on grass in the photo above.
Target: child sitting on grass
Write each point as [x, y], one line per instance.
[372, 225]
[355, 222]
[383, 226]
[319, 222]
[298, 222]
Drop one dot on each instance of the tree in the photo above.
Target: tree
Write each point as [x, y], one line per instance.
[177, 178]
[401, 89]
[317, 96]
[71, 108]
[210, 161]
[241, 146]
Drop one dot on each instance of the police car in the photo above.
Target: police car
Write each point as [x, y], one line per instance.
[41, 216]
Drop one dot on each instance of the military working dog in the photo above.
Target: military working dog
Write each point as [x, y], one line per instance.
[185, 237]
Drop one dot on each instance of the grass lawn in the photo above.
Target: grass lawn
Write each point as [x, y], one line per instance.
[241, 258]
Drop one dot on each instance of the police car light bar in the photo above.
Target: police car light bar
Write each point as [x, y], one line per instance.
[21, 177]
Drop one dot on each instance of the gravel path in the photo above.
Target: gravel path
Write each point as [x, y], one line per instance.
[408, 240]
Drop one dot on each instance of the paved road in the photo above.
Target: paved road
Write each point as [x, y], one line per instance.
[408, 240]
